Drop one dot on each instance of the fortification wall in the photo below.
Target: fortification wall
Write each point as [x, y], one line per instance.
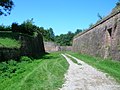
[102, 40]
[65, 48]
[53, 47]
[30, 46]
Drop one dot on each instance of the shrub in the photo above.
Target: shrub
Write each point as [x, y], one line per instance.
[3, 66]
[12, 63]
[26, 59]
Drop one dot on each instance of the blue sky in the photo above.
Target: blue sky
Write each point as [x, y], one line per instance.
[61, 15]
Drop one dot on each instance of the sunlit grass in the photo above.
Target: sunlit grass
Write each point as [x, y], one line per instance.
[46, 73]
[9, 43]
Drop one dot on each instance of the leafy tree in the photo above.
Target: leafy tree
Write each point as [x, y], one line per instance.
[51, 34]
[6, 7]
[8, 28]
[2, 27]
[48, 34]
[78, 31]
[118, 3]
[70, 36]
[43, 32]
[27, 27]
[15, 27]
[5, 28]
[117, 7]
[65, 39]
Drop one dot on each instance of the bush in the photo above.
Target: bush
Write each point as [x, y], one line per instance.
[8, 67]
[3, 66]
[12, 63]
[26, 59]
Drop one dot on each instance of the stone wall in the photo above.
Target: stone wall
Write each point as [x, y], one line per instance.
[53, 47]
[65, 48]
[30, 46]
[102, 40]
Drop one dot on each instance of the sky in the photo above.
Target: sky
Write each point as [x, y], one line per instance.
[61, 15]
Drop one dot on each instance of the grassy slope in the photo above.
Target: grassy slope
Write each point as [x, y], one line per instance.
[107, 66]
[9, 43]
[43, 74]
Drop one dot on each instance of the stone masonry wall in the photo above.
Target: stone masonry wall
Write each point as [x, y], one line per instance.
[53, 47]
[30, 46]
[65, 48]
[102, 40]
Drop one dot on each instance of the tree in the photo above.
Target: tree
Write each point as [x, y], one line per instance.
[15, 27]
[99, 16]
[27, 27]
[51, 34]
[118, 3]
[78, 31]
[6, 7]
[65, 39]
[2, 28]
[5, 28]
[117, 7]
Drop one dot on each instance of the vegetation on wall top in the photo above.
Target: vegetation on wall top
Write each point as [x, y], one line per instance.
[117, 7]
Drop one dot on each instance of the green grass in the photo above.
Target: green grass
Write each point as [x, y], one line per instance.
[111, 67]
[72, 59]
[41, 74]
[9, 43]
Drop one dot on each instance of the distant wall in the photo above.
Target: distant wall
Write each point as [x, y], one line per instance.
[53, 47]
[102, 40]
[30, 46]
[65, 48]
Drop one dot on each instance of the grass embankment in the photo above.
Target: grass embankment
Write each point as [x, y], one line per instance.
[42, 74]
[111, 67]
[9, 43]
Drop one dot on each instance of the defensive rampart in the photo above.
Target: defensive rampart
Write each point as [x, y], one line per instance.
[103, 39]
[31, 46]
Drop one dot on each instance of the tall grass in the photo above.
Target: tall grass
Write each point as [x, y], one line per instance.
[9, 43]
[111, 67]
[41, 74]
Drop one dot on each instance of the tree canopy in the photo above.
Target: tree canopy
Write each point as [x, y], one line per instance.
[28, 27]
[6, 7]
[66, 39]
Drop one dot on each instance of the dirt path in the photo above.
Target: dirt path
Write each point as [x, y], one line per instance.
[85, 77]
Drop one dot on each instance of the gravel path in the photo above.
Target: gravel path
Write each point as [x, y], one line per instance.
[85, 77]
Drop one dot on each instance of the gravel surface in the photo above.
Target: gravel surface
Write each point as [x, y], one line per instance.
[85, 77]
